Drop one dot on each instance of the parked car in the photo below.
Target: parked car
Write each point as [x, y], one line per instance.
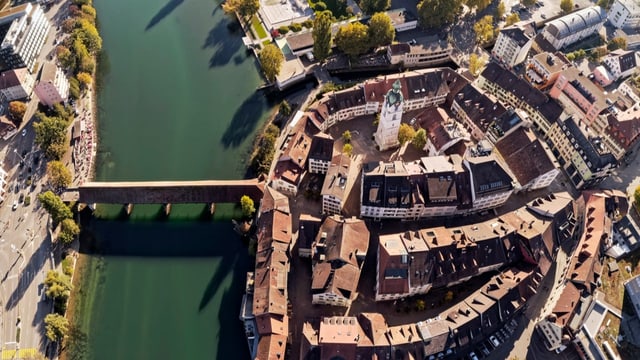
[15, 205]
[494, 341]
[21, 198]
[473, 356]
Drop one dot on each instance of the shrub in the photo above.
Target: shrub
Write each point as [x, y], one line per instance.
[27, 200]
[295, 27]
[283, 29]
[308, 24]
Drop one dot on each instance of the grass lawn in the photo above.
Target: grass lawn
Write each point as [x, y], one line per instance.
[257, 26]
[609, 333]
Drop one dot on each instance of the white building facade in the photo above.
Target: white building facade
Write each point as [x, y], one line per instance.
[574, 27]
[25, 38]
[390, 117]
[624, 14]
[53, 87]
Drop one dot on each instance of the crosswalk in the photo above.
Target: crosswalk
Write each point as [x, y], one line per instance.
[20, 354]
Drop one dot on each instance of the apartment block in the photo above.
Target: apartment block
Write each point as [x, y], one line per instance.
[624, 14]
[513, 43]
[16, 84]
[574, 27]
[25, 36]
[53, 86]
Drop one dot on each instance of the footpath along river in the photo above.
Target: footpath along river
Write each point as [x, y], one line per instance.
[176, 101]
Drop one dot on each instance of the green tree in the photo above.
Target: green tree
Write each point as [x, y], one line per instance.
[617, 43]
[88, 13]
[374, 6]
[263, 156]
[51, 133]
[346, 136]
[88, 34]
[55, 206]
[285, 108]
[500, 10]
[17, 109]
[420, 139]
[566, 5]
[247, 206]
[353, 39]
[68, 231]
[58, 285]
[271, 59]
[479, 5]
[74, 88]
[381, 31]
[448, 296]
[528, 3]
[347, 149]
[68, 25]
[56, 326]
[597, 53]
[605, 4]
[420, 305]
[512, 19]
[636, 198]
[245, 8]
[485, 30]
[406, 133]
[322, 35]
[476, 64]
[84, 79]
[435, 13]
[65, 57]
[59, 175]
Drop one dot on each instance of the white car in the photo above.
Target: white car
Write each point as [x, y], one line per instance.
[494, 341]
[473, 356]
[24, 132]
[15, 205]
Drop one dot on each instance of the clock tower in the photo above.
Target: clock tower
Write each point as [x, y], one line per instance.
[390, 117]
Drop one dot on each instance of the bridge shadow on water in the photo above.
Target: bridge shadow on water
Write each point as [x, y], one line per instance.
[163, 13]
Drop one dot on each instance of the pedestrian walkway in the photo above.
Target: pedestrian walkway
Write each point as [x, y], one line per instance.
[19, 354]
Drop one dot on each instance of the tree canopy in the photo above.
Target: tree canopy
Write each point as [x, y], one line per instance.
[406, 133]
[512, 19]
[322, 35]
[84, 79]
[381, 31]
[353, 39]
[614, 44]
[17, 109]
[476, 64]
[420, 139]
[528, 3]
[271, 59]
[485, 30]
[500, 10]
[55, 206]
[51, 135]
[435, 13]
[58, 285]
[247, 206]
[374, 6]
[347, 149]
[59, 175]
[68, 231]
[479, 5]
[244, 8]
[566, 5]
[56, 327]
[636, 197]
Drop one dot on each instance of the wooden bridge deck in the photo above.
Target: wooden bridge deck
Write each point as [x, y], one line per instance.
[168, 192]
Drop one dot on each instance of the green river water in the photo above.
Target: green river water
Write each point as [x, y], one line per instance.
[176, 101]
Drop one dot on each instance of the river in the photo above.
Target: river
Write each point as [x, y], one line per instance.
[176, 101]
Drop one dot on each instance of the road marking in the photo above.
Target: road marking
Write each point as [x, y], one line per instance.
[22, 353]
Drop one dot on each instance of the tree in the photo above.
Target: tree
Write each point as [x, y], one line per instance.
[420, 305]
[68, 25]
[89, 35]
[59, 175]
[448, 296]
[476, 64]
[346, 136]
[88, 13]
[245, 8]
[74, 88]
[247, 206]
[381, 31]
[597, 53]
[84, 79]
[374, 6]
[285, 108]
[55, 206]
[405, 133]
[65, 57]
[528, 3]
[512, 19]
[17, 109]
[68, 231]
[56, 326]
[435, 13]
[347, 149]
[420, 139]
[484, 29]
[271, 60]
[58, 285]
[322, 35]
[604, 4]
[566, 5]
[636, 198]
[51, 132]
[479, 5]
[617, 43]
[500, 10]
[353, 39]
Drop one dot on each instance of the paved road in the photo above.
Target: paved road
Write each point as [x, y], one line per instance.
[25, 246]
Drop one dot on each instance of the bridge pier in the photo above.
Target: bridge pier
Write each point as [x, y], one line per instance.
[166, 208]
[212, 208]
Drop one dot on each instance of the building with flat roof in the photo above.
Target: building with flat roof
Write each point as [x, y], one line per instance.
[16, 84]
[620, 63]
[337, 184]
[543, 68]
[624, 14]
[513, 43]
[25, 36]
[321, 153]
[632, 292]
[53, 86]
[574, 27]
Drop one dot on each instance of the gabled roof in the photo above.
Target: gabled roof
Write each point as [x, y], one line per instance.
[523, 144]
[271, 347]
[520, 32]
[575, 22]
[321, 147]
[488, 175]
